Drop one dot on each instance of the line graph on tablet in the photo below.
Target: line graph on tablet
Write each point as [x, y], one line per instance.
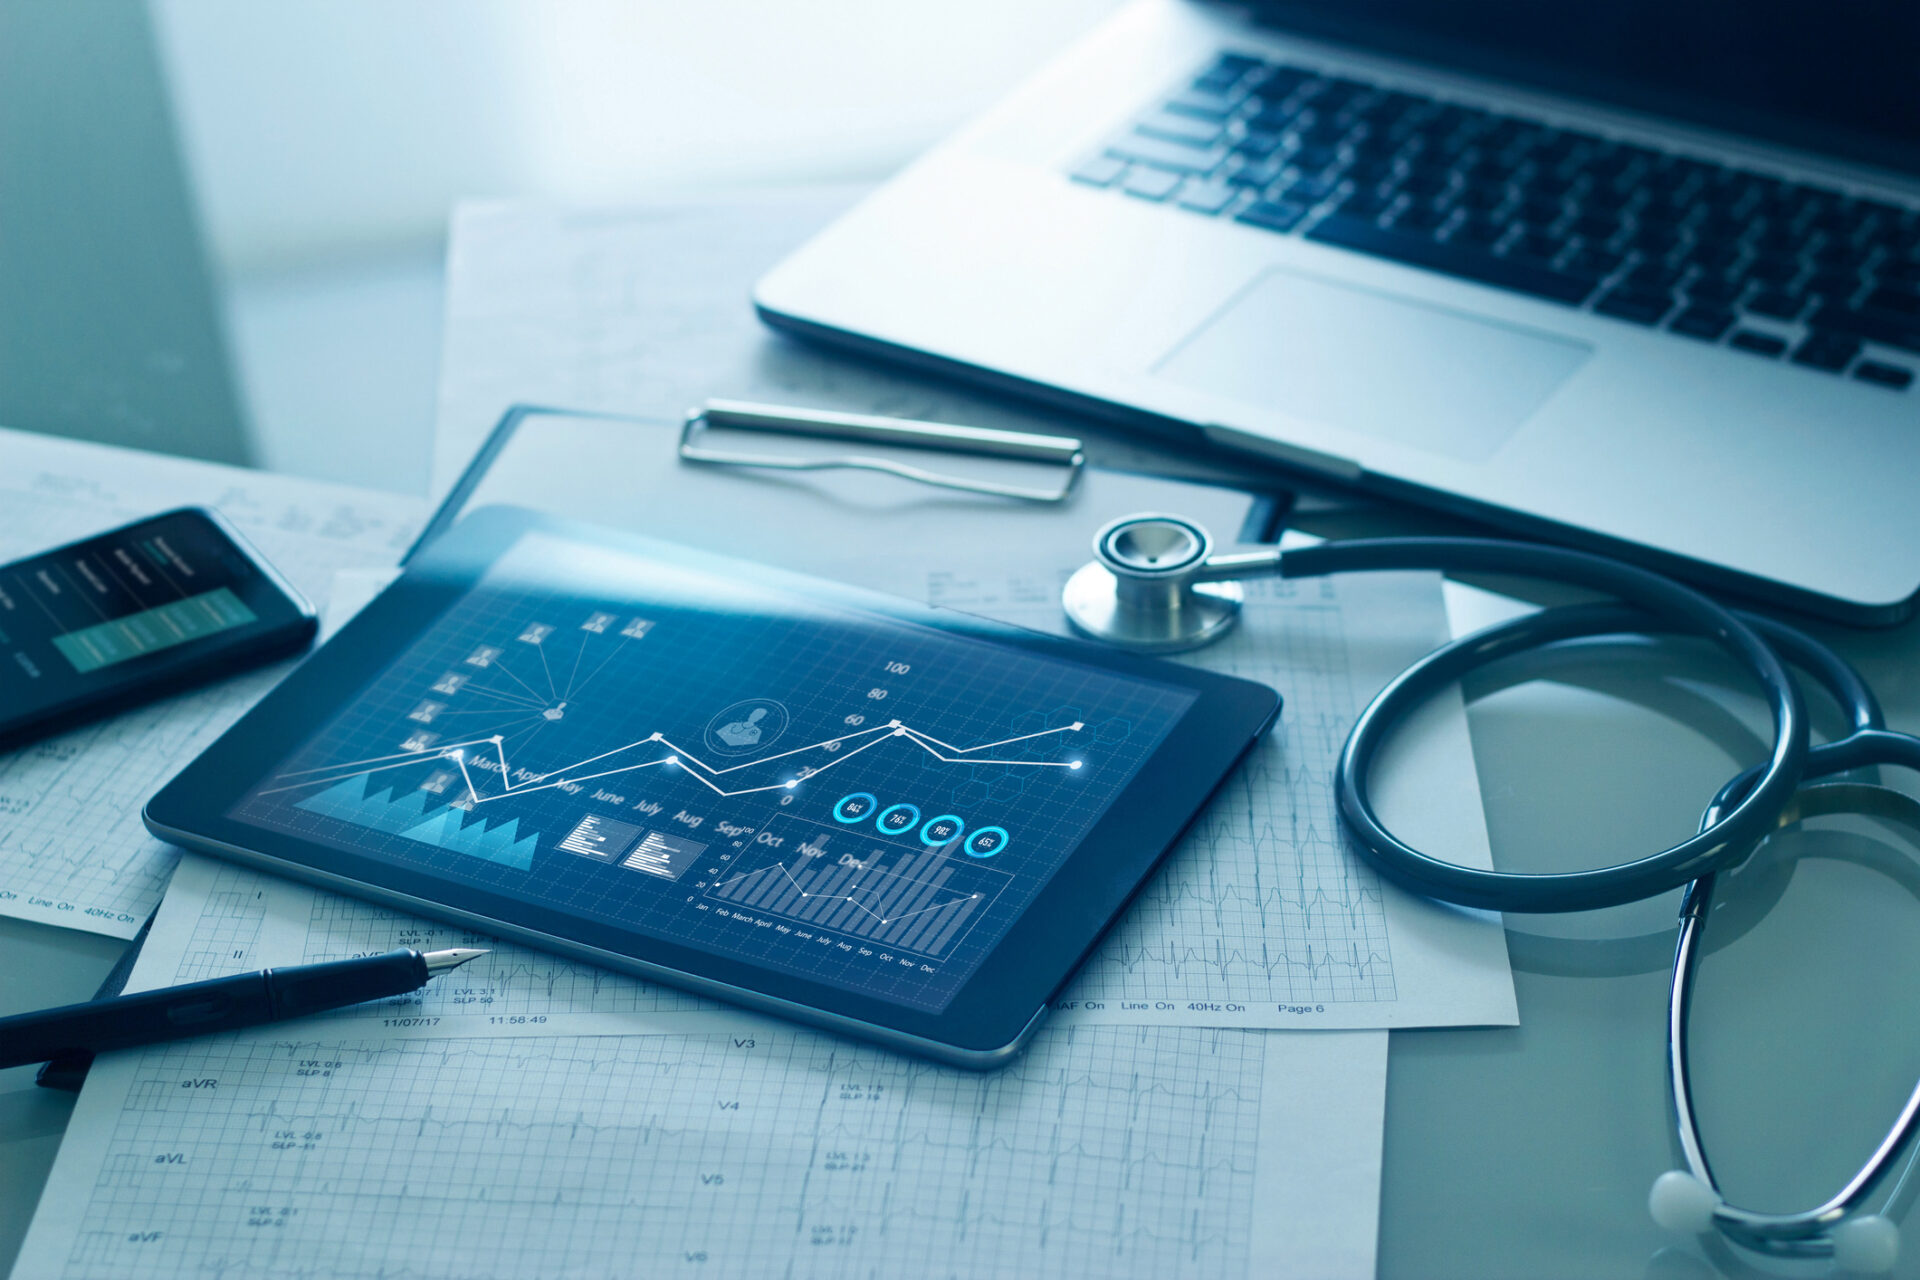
[862, 794]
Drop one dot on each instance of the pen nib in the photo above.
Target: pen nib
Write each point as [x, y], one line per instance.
[439, 962]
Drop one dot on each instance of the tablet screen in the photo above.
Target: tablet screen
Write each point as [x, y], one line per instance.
[847, 796]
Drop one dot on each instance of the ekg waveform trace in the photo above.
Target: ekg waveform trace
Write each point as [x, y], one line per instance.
[1116, 1151]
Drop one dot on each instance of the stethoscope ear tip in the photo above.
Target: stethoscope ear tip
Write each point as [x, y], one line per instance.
[1681, 1203]
[1867, 1245]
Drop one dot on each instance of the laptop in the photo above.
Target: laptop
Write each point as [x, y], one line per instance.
[1642, 275]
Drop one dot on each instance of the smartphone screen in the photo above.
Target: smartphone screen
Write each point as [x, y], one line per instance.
[133, 613]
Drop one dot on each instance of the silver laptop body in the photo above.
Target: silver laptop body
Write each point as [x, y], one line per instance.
[1026, 252]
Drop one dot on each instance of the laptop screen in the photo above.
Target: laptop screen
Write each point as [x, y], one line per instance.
[1837, 78]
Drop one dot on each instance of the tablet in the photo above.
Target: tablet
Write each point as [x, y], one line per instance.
[899, 822]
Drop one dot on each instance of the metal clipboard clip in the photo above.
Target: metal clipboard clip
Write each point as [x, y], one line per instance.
[1022, 446]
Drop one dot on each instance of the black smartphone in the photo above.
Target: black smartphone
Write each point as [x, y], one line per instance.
[134, 614]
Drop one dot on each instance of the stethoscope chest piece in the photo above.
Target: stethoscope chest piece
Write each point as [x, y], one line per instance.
[1147, 588]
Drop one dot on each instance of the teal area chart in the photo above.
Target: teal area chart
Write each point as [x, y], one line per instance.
[410, 815]
[849, 796]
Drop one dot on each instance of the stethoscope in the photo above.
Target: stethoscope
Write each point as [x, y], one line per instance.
[1156, 585]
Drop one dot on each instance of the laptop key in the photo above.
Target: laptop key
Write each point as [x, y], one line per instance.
[1228, 70]
[1538, 245]
[1654, 277]
[1482, 199]
[1366, 205]
[1369, 171]
[1163, 153]
[1714, 290]
[1208, 195]
[1481, 233]
[1284, 81]
[1899, 302]
[1238, 63]
[1201, 105]
[1421, 183]
[1311, 159]
[1099, 171]
[1899, 271]
[1886, 375]
[1829, 352]
[1259, 175]
[1309, 190]
[1173, 127]
[1274, 215]
[1216, 81]
[1594, 228]
[1874, 326]
[1273, 118]
[1757, 343]
[1777, 303]
[1151, 184]
[1712, 255]
[1654, 240]
[1834, 286]
[1770, 270]
[1597, 263]
[1705, 323]
[1463, 261]
[1639, 308]
[1257, 146]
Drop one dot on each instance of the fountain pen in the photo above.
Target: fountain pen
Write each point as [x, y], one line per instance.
[219, 1004]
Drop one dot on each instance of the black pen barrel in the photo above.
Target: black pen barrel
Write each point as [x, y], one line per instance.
[311, 988]
[167, 1014]
[197, 1008]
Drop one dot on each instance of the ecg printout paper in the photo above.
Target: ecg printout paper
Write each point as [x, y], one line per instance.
[72, 849]
[219, 919]
[1266, 916]
[1103, 1151]
[717, 1143]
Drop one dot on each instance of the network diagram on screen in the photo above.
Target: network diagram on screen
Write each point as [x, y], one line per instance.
[851, 798]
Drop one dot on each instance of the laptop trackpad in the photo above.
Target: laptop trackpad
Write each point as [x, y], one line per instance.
[1389, 366]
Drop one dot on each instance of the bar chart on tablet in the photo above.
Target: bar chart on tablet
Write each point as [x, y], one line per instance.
[858, 798]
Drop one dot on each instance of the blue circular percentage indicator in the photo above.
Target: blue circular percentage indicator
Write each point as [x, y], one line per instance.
[986, 842]
[856, 807]
[944, 829]
[897, 818]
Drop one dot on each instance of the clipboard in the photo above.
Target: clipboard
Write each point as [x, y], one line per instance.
[626, 472]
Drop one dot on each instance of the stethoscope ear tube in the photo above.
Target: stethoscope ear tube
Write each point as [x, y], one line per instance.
[1689, 1200]
[1670, 605]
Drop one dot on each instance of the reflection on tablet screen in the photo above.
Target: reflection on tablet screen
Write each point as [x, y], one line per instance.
[852, 798]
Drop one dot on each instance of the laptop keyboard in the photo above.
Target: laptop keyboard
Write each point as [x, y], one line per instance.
[1772, 268]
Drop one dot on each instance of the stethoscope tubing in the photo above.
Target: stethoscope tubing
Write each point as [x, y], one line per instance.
[1867, 743]
[1804, 1234]
[1661, 603]
[1739, 817]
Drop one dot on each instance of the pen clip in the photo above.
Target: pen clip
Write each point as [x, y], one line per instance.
[1021, 446]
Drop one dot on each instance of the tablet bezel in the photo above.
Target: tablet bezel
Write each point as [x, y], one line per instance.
[986, 1020]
